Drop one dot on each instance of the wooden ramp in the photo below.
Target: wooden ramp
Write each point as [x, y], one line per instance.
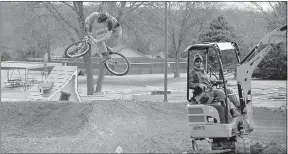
[65, 85]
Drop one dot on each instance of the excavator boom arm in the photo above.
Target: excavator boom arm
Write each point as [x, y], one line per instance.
[246, 67]
[272, 39]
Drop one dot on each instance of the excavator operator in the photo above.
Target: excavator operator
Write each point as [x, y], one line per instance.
[200, 82]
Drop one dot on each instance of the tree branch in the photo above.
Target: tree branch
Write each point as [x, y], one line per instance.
[275, 12]
[76, 8]
[69, 5]
[132, 8]
[272, 6]
[58, 14]
[120, 12]
[261, 9]
[40, 16]
[65, 29]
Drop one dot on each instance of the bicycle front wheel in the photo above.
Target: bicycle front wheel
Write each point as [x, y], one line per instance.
[118, 64]
[77, 49]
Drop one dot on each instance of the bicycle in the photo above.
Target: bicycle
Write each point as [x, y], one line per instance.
[117, 60]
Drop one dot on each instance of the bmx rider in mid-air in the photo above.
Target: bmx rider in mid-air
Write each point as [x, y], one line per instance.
[113, 31]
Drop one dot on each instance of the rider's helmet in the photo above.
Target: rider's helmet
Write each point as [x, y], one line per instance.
[103, 16]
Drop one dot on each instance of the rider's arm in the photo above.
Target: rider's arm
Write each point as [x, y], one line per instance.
[106, 36]
[103, 37]
[101, 31]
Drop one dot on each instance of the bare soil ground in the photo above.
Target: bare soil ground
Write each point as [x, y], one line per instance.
[102, 126]
[143, 125]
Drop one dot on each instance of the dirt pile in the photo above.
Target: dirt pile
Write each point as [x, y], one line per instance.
[43, 119]
[135, 126]
[270, 148]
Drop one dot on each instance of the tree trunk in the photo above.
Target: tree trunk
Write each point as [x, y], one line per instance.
[48, 52]
[177, 69]
[49, 55]
[89, 73]
[100, 78]
[87, 56]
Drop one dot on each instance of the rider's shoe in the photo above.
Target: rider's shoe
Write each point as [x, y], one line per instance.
[106, 56]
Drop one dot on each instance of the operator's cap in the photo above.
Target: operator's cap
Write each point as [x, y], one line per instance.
[198, 57]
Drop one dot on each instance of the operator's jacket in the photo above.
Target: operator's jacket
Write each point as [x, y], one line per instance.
[199, 76]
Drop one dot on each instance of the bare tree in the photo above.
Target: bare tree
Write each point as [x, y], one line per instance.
[39, 33]
[277, 16]
[182, 20]
[124, 9]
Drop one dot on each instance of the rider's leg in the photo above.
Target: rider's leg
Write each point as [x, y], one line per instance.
[103, 50]
[116, 36]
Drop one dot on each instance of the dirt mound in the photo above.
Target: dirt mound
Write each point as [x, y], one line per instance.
[43, 119]
[270, 148]
[135, 126]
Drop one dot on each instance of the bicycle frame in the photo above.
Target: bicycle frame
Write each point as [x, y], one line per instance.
[89, 38]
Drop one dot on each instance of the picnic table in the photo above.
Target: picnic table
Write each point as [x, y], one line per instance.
[25, 81]
[18, 82]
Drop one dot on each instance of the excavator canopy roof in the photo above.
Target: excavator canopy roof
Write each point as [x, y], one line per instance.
[221, 45]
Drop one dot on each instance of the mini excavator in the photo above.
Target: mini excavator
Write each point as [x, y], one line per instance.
[212, 128]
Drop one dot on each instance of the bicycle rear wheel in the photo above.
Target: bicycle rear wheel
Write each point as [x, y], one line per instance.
[77, 49]
[118, 64]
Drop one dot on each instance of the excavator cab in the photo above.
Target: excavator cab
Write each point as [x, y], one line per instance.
[211, 127]
[212, 54]
[210, 121]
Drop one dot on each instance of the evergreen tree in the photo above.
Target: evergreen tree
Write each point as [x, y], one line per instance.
[273, 66]
[220, 31]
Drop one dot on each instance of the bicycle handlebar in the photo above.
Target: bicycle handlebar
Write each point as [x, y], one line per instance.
[88, 36]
